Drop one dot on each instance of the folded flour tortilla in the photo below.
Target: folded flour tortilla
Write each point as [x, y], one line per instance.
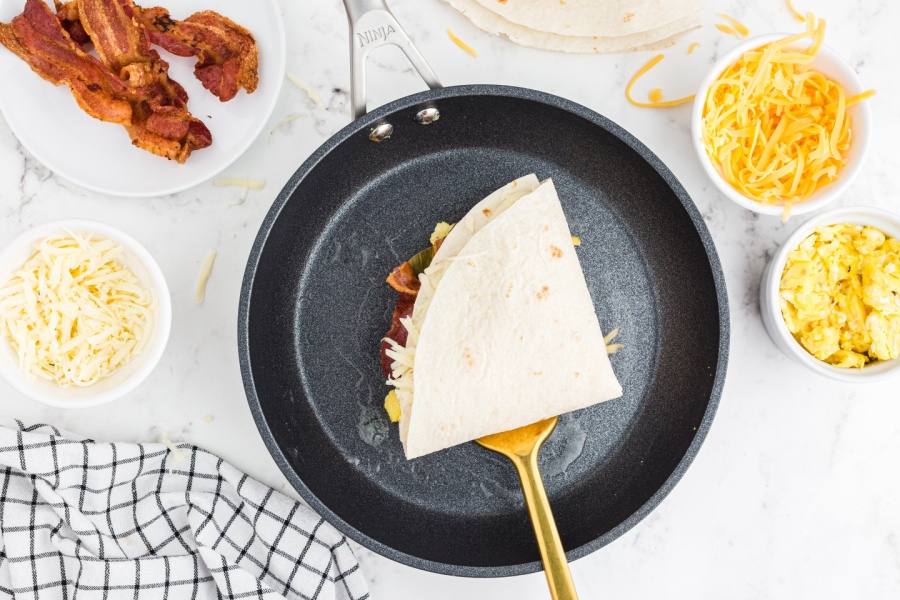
[557, 27]
[503, 332]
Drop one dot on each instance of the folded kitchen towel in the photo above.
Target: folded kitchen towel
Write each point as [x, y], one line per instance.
[82, 520]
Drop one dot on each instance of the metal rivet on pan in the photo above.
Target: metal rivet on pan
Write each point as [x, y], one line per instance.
[381, 132]
[427, 116]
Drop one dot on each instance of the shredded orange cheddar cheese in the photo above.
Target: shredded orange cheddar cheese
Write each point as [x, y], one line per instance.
[467, 48]
[652, 63]
[737, 26]
[693, 47]
[797, 14]
[655, 95]
[726, 29]
[776, 129]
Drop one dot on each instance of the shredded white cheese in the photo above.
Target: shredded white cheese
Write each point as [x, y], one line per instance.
[286, 120]
[250, 184]
[310, 90]
[178, 454]
[203, 278]
[73, 312]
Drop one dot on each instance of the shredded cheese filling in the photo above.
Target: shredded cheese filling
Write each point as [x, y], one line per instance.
[73, 312]
[641, 71]
[776, 129]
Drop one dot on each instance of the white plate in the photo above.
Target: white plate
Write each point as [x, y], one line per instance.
[99, 156]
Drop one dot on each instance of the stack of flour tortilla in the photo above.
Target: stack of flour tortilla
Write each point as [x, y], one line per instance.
[581, 26]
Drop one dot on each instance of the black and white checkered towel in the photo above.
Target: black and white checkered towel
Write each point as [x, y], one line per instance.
[84, 520]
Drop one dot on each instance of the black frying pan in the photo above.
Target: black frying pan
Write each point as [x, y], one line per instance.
[314, 307]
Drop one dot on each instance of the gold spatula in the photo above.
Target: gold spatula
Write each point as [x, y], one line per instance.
[522, 446]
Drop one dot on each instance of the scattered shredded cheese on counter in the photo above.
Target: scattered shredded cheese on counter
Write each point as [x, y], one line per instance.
[287, 120]
[775, 128]
[655, 95]
[693, 47]
[178, 454]
[726, 29]
[576, 240]
[73, 312]
[736, 26]
[203, 277]
[641, 71]
[250, 184]
[310, 90]
[797, 14]
[467, 48]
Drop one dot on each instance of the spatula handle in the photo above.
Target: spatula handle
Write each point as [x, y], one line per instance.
[556, 567]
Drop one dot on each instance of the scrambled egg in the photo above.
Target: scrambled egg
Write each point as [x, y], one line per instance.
[840, 295]
[392, 406]
[440, 232]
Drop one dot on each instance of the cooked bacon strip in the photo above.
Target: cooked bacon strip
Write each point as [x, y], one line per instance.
[68, 16]
[228, 59]
[154, 114]
[121, 45]
[124, 45]
[404, 280]
[36, 37]
[398, 333]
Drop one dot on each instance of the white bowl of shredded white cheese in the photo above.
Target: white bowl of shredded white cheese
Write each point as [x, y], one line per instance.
[85, 314]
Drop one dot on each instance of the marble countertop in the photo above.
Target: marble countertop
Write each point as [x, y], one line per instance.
[796, 492]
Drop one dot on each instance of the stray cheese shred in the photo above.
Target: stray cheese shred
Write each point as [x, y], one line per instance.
[776, 129]
[73, 312]
[693, 47]
[797, 14]
[310, 90]
[652, 63]
[203, 277]
[737, 27]
[466, 48]
[612, 348]
[726, 29]
[250, 184]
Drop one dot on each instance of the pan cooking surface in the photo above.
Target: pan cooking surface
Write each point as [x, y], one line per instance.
[315, 306]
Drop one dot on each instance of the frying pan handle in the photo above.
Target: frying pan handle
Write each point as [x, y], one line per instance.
[371, 26]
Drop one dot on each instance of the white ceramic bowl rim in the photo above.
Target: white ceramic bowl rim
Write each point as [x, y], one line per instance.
[862, 215]
[862, 128]
[162, 314]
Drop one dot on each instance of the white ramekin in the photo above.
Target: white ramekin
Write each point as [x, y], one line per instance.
[833, 65]
[770, 305]
[130, 375]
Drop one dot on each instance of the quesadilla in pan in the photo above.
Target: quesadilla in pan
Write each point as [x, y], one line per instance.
[499, 331]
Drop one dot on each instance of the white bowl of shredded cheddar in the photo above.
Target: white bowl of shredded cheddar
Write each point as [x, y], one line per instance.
[780, 123]
[85, 314]
[830, 296]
